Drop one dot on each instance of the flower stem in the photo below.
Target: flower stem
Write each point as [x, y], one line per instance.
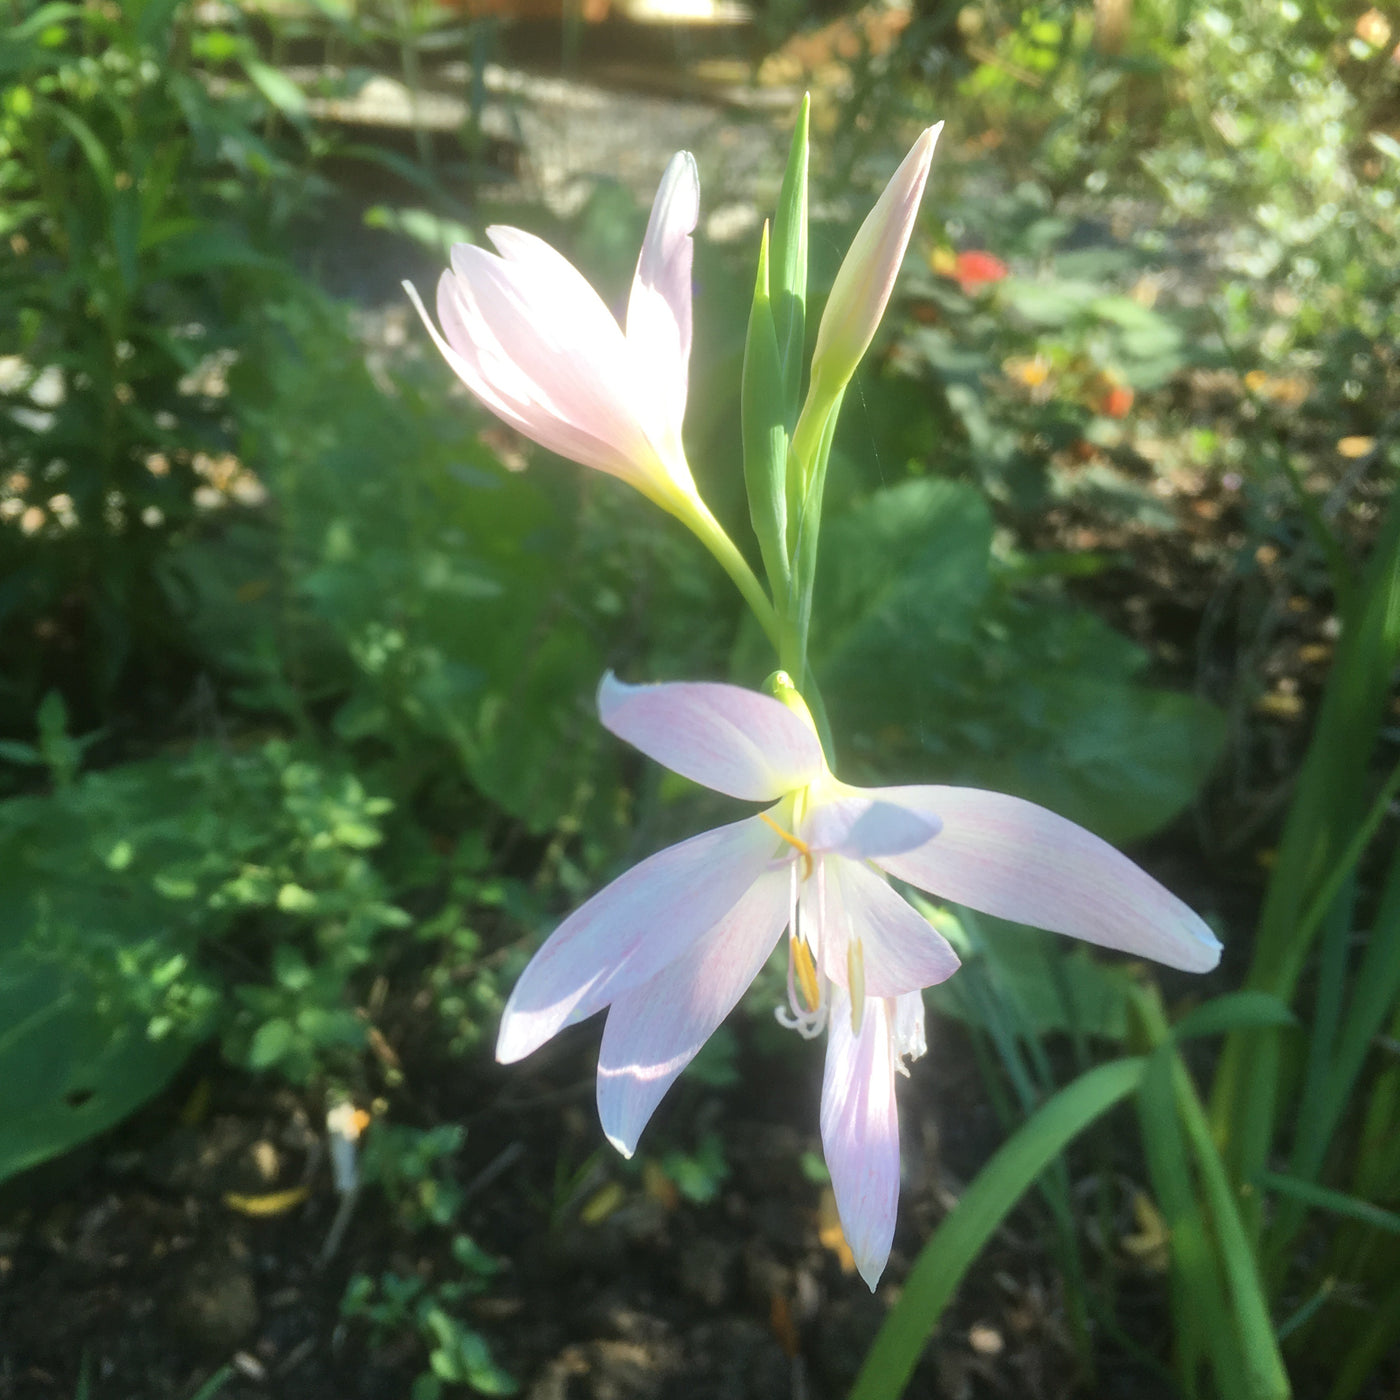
[712, 534]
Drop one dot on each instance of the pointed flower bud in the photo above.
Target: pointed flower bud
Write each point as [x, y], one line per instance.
[863, 285]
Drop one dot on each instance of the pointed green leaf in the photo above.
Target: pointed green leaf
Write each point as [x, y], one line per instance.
[765, 436]
[994, 1192]
[789, 265]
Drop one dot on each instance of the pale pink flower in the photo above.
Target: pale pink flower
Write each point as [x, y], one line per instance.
[528, 335]
[671, 945]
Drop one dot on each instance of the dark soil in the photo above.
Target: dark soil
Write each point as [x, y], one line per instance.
[126, 1265]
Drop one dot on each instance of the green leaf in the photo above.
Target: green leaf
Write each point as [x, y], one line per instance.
[788, 282]
[1055, 986]
[1049, 303]
[1329, 809]
[92, 148]
[898, 566]
[1246, 1358]
[272, 1042]
[935, 666]
[422, 225]
[1199, 1298]
[70, 1072]
[154, 21]
[988, 1200]
[1335, 1202]
[194, 251]
[40, 20]
[1232, 1012]
[765, 436]
[280, 91]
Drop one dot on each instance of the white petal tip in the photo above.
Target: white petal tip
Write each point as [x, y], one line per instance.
[514, 1041]
[1204, 953]
[622, 1147]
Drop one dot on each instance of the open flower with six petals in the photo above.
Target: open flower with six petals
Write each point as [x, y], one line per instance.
[669, 947]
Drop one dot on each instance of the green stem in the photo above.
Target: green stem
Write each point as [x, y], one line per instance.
[696, 514]
[1265, 1378]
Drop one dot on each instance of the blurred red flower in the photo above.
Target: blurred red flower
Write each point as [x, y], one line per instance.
[977, 269]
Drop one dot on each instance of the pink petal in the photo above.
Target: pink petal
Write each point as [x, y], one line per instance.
[900, 951]
[477, 359]
[862, 829]
[1011, 859]
[907, 1028]
[535, 343]
[654, 1030]
[733, 740]
[630, 930]
[658, 312]
[860, 1131]
[547, 341]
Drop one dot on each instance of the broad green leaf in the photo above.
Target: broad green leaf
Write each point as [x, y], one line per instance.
[937, 668]
[69, 1071]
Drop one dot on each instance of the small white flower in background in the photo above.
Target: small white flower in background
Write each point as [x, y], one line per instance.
[344, 1124]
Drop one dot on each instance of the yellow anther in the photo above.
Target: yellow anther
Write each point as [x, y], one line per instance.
[806, 969]
[855, 978]
[792, 840]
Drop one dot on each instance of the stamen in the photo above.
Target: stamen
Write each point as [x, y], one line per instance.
[808, 1024]
[806, 969]
[855, 980]
[792, 840]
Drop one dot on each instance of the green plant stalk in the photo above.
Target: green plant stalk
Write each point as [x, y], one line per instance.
[808, 516]
[1308, 1310]
[999, 1012]
[1316, 1119]
[789, 281]
[1264, 1373]
[1375, 1344]
[1321, 828]
[1378, 1158]
[988, 1200]
[765, 437]
[1199, 1303]
[696, 514]
[1375, 993]
[1336, 1202]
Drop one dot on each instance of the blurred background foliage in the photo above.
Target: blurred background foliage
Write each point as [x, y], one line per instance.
[298, 648]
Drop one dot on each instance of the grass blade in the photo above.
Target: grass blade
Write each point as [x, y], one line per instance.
[984, 1205]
